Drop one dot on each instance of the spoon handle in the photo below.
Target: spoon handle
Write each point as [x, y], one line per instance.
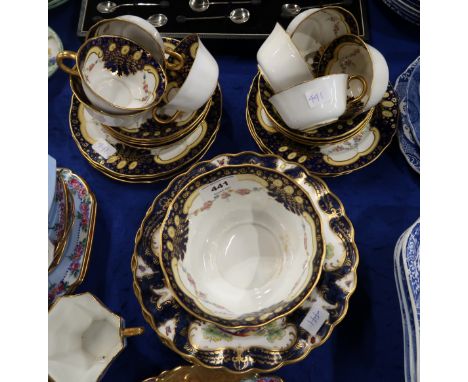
[255, 2]
[183, 19]
[162, 4]
[345, 2]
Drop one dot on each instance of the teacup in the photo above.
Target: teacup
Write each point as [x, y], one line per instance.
[129, 121]
[351, 55]
[317, 102]
[241, 246]
[314, 29]
[136, 29]
[193, 85]
[84, 338]
[118, 76]
[280, 61]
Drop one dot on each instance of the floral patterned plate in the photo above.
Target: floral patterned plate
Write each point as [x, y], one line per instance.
[408, 129]
[71, 270]
[281, 342]
[131, 164]
[332, 159]
[54, 46]
[59, 211]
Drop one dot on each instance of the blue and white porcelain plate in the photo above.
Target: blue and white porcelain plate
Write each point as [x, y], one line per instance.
[412, 102]
[408, 9]
[71, 269]
[406, 267]
[408, 129]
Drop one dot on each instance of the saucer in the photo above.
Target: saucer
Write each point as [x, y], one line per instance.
[331, 132]
[407, 87]
[126, 163]
[333, 159]
[55, 46]
[284, 341]
[71, 270]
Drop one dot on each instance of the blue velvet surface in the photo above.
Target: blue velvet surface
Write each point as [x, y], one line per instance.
[382, 200]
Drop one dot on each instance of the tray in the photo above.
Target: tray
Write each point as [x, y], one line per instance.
[262, 18]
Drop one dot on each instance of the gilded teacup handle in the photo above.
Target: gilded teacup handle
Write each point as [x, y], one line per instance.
[163, 121]
[67, 55]
[178, 58]
[130, 332]
[363, 81]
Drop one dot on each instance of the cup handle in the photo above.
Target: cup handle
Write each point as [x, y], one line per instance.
[130, 332]
[163, 121]
[67, 55]
[179, 60]
[363, 81]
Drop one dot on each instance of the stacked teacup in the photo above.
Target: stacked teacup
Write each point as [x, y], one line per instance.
[317, 72]
[127, 76]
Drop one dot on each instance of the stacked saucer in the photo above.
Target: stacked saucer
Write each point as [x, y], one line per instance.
[407, 87]
[220, 280]
[72, 212]
[166, 119]
[406, 267]
[322, 96]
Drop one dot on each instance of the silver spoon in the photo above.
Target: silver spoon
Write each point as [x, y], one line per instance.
[295, 9]
[203, 5]
[158, 20]
[237, 16]
[110, 6]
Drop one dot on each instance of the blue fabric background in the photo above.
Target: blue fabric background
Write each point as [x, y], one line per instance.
[382, 200]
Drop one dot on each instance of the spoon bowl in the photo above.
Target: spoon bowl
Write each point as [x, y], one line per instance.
[158, 20]
[239, 15]
[290, 9]
[199, 5]
[106, 7]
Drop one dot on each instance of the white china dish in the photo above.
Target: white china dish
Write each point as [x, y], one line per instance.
[84, 338]
[118, 76]
[314, 29]
[317, 102]
[241, 246]
[200, 82]
[350, 54]
[134, 28]
[280, 61]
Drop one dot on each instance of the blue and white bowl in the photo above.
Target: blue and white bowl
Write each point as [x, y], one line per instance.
[407, 87]
[406, 267]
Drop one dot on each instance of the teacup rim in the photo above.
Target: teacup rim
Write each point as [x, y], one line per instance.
[320, 9]
[162, 72]
[119, 19]
[359, 41]
[320, 251]
[121, 320]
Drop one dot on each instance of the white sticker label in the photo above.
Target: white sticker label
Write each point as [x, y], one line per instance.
[104, 148]
[318, 96]
[222, 185]
[314, 319]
